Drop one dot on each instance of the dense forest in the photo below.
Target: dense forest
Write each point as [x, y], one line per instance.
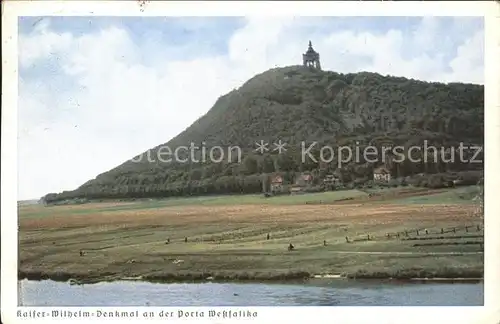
[302, 106]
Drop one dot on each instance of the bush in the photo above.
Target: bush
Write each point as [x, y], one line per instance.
[314, 189]
[382, 184]
[469, 177]
[393, 183]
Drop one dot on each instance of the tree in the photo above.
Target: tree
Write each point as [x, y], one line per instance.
[267, 164]
[250, 165]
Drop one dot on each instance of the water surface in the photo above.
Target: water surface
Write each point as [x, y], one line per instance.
[317, 293]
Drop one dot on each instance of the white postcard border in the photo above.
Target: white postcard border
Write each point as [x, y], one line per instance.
[490, 313]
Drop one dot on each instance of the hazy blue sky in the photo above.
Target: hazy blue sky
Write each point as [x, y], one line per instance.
[96, 91]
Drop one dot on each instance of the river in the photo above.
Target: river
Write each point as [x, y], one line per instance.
[314, 293]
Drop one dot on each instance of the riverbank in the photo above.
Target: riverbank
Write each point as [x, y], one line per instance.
[420, 275]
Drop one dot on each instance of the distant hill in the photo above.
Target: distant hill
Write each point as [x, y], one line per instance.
[296, 104]
[27, 202]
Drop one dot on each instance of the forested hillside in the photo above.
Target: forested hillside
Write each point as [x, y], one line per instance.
[295, 105]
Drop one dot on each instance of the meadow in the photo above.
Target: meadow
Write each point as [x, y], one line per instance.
[373, 233]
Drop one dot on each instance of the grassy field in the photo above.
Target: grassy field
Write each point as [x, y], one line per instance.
[400, 233]
[316, 198]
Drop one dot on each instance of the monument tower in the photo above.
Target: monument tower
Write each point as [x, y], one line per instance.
[311, 58]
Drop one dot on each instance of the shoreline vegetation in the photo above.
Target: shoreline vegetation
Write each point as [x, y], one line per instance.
[409, 275]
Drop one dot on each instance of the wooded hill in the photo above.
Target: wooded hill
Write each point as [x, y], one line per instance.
[297, 104]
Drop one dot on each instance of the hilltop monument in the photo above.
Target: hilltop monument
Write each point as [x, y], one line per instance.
[311, 58]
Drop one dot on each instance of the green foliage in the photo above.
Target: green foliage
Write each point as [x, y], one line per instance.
[295, 104]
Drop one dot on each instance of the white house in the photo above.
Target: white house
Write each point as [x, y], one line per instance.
[381, 174]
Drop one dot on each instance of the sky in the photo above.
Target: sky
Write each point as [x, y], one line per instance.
[96, 91]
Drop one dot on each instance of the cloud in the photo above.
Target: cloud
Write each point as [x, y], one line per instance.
[99, 98]
[41, 43]
[468, 65]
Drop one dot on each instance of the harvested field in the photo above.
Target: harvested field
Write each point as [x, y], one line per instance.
[361, 213]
